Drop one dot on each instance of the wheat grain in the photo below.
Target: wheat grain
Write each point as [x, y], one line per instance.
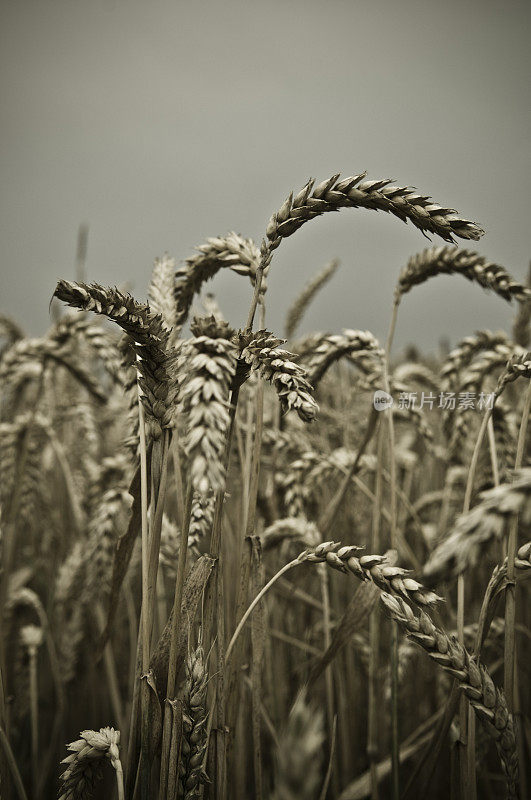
[211, 367]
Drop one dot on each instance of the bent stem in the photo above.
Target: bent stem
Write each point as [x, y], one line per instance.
[259, 596]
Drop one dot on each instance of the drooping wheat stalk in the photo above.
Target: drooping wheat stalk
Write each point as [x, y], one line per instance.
[156, 363]
[332, 347]
[463, 353]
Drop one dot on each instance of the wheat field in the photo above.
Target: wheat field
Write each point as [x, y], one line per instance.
[243, 563]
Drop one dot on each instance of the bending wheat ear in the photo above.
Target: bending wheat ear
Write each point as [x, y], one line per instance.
[354, 192]
[474, 681]
[83, 766]
[452, 261]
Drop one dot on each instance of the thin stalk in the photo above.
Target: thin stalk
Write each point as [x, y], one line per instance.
[510, 604]
[145, 766]
[327, 638]
[259, 596]
[12, 764]
[110, 669]
[467, 764]
[119, 779]
[172, 663]
[256, 295]
[34, 702]
[493, 455]
[395, 744]
[471, 721]
[374, 635]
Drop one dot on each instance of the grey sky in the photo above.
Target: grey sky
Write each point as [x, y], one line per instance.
[162, 123]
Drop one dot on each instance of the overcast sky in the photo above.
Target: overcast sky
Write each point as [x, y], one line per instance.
[160, 123]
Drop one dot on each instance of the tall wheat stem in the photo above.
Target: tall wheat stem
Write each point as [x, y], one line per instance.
[172, 663]
[395, 745]
[145, 766]
[34, 702]
[509, 677]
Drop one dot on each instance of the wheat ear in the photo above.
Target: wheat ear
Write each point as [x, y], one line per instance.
[380, 195]
[298, 307]
[194, 740]
[521, 325]
[211, 366]
[473, 679]
[155, 362]
[485, 522]
[161, 291]
[83, 766]
[452, 261]
[232, 251]
[371, 568]
[332, 347]
[260, 351]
